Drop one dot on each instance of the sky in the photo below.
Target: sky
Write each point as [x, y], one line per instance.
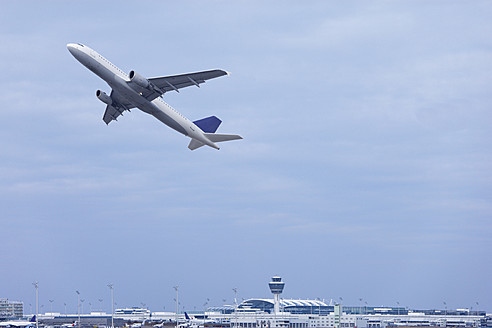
[365, 169]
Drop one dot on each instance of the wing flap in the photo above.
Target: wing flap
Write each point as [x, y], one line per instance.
[111, 114]
[117, 108]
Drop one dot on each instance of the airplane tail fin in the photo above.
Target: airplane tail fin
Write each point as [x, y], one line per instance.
[187, 316]
[33, 319]
[209, 124]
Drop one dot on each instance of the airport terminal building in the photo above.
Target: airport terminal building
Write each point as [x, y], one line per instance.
[10, 309]
[281, 313]
[290, 313]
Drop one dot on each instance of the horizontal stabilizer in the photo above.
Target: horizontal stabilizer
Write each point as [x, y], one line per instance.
[195, 144]
[217, 137]
[208, 124]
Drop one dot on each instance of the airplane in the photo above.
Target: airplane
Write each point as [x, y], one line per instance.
[195, 323]
[135, 91]
[19, 323]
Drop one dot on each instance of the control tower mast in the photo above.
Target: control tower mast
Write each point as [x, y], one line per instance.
[276, 287]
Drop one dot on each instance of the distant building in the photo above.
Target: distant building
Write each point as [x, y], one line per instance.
[133, 313]
[11, 309]
[286, 305]
[95, 319]
[292, 313]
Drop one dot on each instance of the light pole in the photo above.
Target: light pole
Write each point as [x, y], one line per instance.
[51, 305]
[446, 308]
[360, 309]
[235, 296]
[235, 306]
[65, 304]
[82, 300]
[398, 303]
[176, 288]
[100, 304]
[78, 305]
[35, 284]
[204, 306]
[112, 305]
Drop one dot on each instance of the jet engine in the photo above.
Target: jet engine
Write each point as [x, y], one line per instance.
[139, 79]
[102, 96]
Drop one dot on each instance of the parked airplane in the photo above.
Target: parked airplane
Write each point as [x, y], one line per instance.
[133, 90]
[195, 323]
[19, 323]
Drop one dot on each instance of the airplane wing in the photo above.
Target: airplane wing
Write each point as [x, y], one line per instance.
[161, 85]
[117, 108]
[175, 82]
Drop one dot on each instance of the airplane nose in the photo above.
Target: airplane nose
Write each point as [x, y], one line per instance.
[71, 47]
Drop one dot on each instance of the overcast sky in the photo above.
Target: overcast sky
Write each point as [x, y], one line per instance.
[365, 169]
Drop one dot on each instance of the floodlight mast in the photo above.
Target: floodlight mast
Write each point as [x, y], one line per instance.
[112, 305]
[235, 306]
[36, 285]
[78, 305]
[176, 288]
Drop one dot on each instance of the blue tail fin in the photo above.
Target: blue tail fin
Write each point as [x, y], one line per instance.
[33, 319]
[208, 124]
[186, 314]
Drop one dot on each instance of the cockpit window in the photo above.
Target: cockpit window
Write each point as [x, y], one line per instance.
[80, 44]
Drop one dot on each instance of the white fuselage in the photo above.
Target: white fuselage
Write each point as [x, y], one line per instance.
[118, 81]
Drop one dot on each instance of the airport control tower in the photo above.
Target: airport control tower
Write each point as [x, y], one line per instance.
[276, 287]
